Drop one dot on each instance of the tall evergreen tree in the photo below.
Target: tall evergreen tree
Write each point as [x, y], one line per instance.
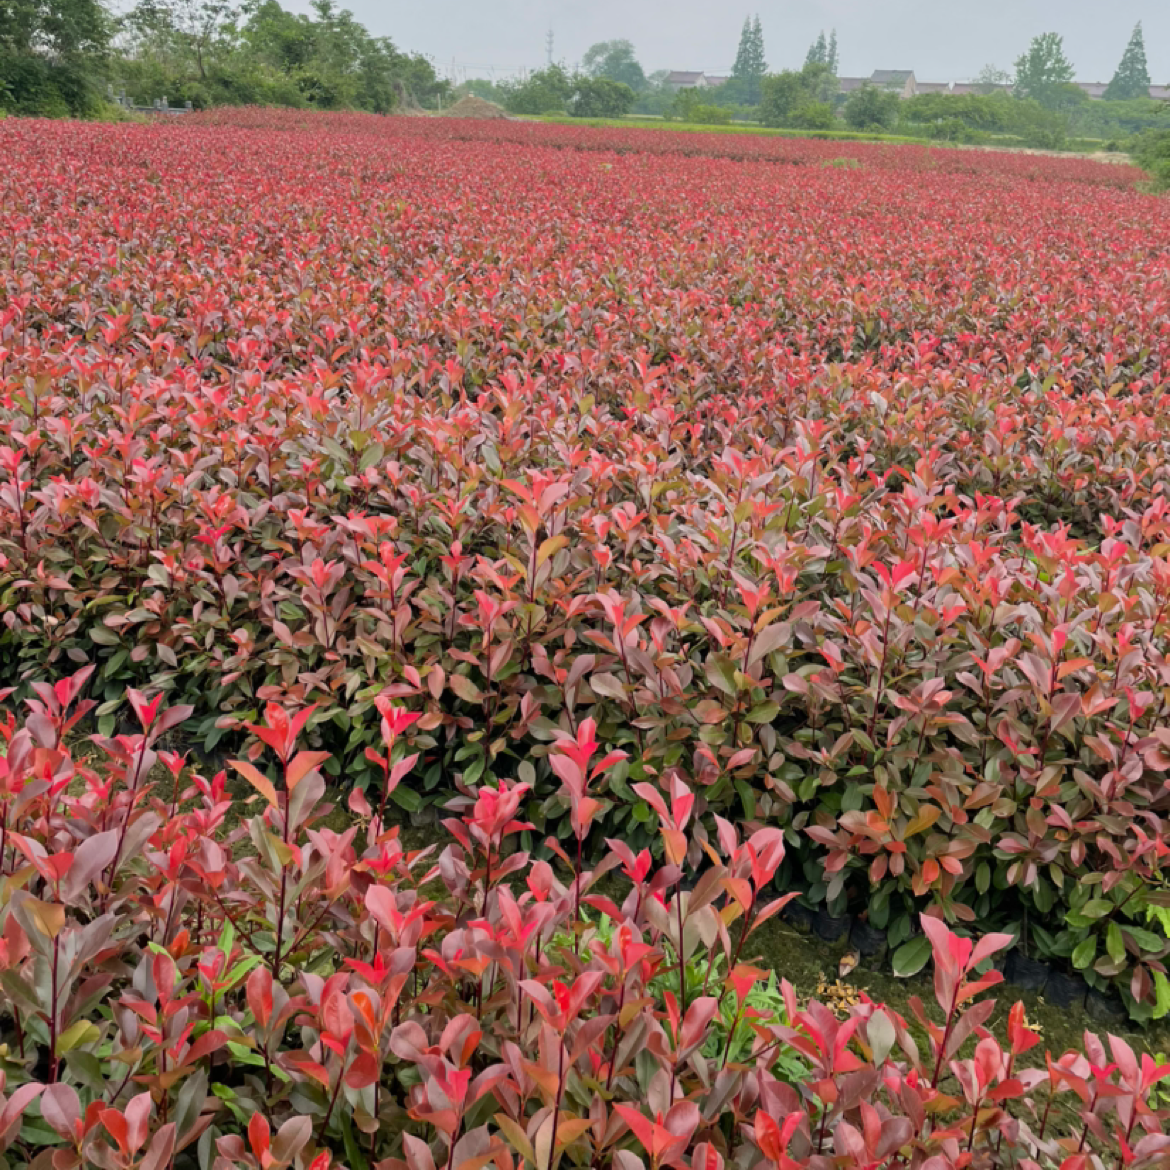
[818, 51]
[759, 63]
[750, 65]
[742, 66]
[833, 61]
[1132, 79]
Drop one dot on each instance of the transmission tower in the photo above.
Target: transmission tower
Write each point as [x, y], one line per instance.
[548, 45]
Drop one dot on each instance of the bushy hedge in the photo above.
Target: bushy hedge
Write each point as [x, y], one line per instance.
[1151, 151]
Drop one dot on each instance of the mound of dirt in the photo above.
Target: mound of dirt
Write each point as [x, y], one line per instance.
[475, 107]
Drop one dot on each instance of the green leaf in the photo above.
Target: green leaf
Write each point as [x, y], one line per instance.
[374, 453]
[406, 798]
[353, 1151]
[911, 957]
[1161, 995]
[1084, 953]
[1096, 908]
[748, 796]
[1114, 943]
[763, 712]
[721, 674]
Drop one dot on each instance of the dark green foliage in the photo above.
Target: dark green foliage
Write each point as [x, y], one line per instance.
[1132, 79]
[994, 112]
[55, 28]
[615, 61]
[972, 117]
[1151, 151]
[44, 47]
[1043, 72]
[786, 98]
[599, 97]
[55, 59]
[833, 60]
[554, 90]
[870, 108]
[691, 106]
[547, 91]
[34, 85]
[814, 116]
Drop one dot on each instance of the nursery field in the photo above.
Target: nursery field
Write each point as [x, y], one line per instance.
[688, 530]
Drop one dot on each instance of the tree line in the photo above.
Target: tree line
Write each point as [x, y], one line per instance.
[72, 57]
[1037, 103]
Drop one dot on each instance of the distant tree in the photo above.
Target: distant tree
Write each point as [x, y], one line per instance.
[547, 91]
[615, 60]
[814, 116]
[52, 53]
[54, 28]
[991, 78]
[833, 61]
[870, 108]
[599, 97]
[1152, 153]
[1043, 70]
[818, 51]
[1132, 79]
[281, 39]
[189, 34]
[750, 65]
[789, 98]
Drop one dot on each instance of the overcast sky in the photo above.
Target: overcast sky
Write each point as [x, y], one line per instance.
[941, 40]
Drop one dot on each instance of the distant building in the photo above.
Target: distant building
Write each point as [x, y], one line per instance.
[906, 85]
[694, 79]
[1095, 91]
[900, 80]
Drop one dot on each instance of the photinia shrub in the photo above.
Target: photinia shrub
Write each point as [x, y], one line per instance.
[733, 457]
[284, 994]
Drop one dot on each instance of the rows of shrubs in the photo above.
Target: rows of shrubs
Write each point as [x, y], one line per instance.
[879, 560]
[186, 987]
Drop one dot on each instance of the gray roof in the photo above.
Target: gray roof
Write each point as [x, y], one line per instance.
[684, 77]
[891, 76]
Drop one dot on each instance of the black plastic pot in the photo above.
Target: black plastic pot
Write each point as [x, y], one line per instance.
[1105, 1008]
[829, 928]
[870, 942]
[1029, 974]
[1065, 991]
[799, 917]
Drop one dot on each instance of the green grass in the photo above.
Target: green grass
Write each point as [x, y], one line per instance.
[635, 122]
[639, 123]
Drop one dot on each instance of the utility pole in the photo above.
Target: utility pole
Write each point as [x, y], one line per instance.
[548, 45]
